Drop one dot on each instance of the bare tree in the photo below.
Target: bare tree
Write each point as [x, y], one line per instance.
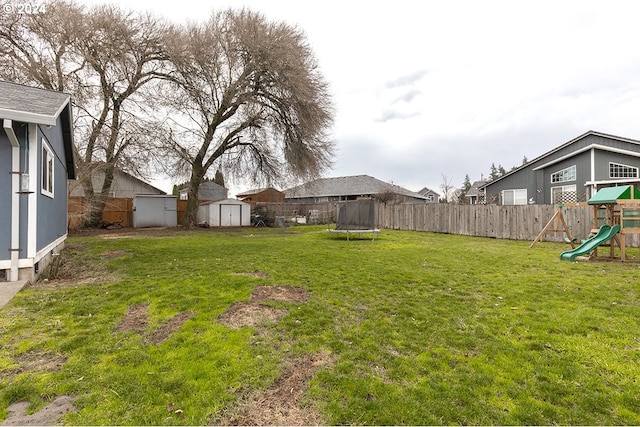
[250, 100]
[446, 188]
[105, 58]
[37, 49]
[124, 53]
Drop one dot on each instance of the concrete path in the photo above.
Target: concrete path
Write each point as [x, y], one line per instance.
[9, 289]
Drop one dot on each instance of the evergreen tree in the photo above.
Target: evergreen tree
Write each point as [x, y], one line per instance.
[494, 174]
[219, 178]
[466, 186]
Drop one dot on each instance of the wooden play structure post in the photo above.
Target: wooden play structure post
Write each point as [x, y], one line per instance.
[624, 212]
[553, 226]
[629, 221]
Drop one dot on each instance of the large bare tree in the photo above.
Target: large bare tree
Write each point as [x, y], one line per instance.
[105, 58]
[250, 100]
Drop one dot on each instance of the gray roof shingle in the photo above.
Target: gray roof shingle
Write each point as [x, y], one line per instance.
[30, 104]
[347, 186]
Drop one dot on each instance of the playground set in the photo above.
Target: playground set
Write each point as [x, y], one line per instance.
[616, 215]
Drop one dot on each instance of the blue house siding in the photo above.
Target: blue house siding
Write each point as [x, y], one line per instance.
[52, 212]
[34, 223]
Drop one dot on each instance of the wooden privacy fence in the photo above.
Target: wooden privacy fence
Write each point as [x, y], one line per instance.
[115, 210]
[500, 222]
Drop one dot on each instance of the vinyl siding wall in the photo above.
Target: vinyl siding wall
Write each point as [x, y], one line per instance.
[534, 180]
[52, 212]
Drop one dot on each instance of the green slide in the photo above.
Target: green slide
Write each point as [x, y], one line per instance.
[605, 233]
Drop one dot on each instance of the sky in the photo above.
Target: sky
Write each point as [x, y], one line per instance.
[431, 91]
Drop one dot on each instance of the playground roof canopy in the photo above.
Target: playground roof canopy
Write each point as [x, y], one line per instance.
[611, 194]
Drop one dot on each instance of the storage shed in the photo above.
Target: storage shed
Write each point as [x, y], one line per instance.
[225, 213]
[155, 211]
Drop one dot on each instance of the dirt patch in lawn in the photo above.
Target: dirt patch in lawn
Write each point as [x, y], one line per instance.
[35, 361]
[169, 327]
[250, 314]
[73, 267]
[280, 293]
[137, 320]
[283, 402]
[253, 313]
[49, 415]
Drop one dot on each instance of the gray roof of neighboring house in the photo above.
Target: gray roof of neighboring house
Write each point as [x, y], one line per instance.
[475, 188]
[255, 191]
[31, 104]
[427, 190]
[209, 190]
[347, 186]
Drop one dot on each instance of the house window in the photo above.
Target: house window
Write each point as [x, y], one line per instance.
[568, 174]
[564, 194]
[47, 170]
[617, 170]
[514, 197]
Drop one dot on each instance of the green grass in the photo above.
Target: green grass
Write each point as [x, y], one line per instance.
[422, 329]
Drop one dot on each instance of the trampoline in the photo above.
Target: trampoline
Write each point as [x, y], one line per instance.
[356, 217]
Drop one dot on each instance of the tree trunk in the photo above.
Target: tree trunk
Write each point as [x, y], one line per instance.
[98, 201]
[190, 215]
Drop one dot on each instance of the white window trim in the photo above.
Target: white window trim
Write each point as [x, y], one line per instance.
[561, 172]
[625, 166]
[524, 200]
[47, 159]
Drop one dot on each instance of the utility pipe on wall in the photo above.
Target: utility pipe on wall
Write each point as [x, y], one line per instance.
[15, 199]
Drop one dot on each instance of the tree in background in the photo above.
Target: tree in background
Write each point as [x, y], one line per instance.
[246, 96]
[466, 186]
[219, 178]
[105, 59]
[447, 188]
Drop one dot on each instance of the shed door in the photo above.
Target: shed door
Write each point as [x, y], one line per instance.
[230, 215]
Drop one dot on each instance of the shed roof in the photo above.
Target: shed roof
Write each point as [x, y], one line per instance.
[612, 194]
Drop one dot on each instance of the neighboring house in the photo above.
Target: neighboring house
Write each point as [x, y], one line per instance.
[572, 172]
[350, 188]
[475, 196]
[36, 160]
[263, 195]
[432, 196]
[124, 186]
[208, 191]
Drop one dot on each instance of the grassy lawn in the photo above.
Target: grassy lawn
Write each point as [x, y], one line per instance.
[412, 328]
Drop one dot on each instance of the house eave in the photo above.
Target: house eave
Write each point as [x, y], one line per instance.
[588, 148]
[26, 117]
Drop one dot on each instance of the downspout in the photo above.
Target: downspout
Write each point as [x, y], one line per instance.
[15, 199]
